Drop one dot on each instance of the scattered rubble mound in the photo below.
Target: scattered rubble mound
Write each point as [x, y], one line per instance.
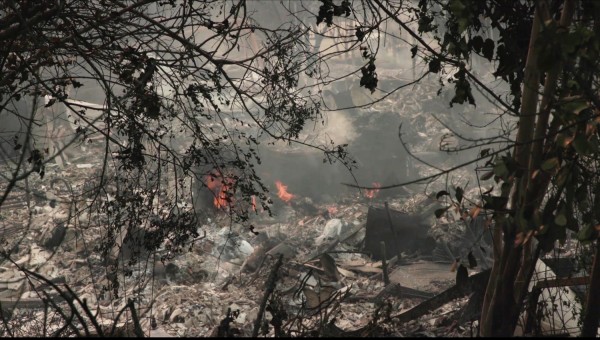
[358, 267]
[326, 283]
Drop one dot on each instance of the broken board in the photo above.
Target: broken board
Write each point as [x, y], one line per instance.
[424, 275]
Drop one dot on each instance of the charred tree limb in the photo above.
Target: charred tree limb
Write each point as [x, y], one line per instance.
[270, 287]
[137, 328]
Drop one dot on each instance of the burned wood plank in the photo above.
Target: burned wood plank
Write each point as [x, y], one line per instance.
[392, 290]
[372, 329]
[26, 303]
[398, 290]
[331, 246]
[11, 230]
[474, 282]
[8, 302]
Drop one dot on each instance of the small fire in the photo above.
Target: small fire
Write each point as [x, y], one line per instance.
[332, 210]
[219, 188]
[282, 192]
[253, 202]
[372, 193]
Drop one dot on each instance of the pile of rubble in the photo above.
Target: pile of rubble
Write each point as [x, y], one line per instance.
[360, 266]
[332, 279]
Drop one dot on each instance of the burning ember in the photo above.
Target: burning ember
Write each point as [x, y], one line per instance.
[253, 202]
[219, 188]
[282, 192]
[372, 193]
[332, 210]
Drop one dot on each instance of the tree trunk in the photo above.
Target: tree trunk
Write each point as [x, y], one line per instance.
[539, 180]
[501, 283]
[517, 262]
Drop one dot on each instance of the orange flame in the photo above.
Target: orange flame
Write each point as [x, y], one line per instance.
[332, 210]
[282, 192]
[372, 193]
[253, 202]
[219, 188]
